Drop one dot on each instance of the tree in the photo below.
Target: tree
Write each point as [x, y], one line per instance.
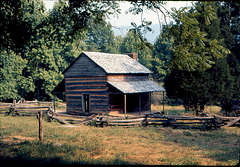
[229, 14]
[191, 47]
[13, 85]
[19, 20]
[21, 15]
[132, 43]
[192, 87]
[215, 84]
[48, 53]
[162, 57]
[100, 37]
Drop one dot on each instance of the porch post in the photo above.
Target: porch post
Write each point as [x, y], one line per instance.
[139, 101]
[54, 102]
[163, 102]
[125, 105]
[150, 99]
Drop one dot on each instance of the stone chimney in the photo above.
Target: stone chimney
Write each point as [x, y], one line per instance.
[133, 55]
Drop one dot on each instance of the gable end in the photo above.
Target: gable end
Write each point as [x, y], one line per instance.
[83, 66]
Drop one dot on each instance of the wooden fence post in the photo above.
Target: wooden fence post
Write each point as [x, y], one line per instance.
[40, 126]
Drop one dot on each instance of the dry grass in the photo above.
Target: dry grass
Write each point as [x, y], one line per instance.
[115, 145]
[167, 108]
[172, 110]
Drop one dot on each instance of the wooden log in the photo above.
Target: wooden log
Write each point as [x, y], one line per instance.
[3, 108]
[123, 124]
[31, 101]
[134, 117]
[126, 121]
[22, 112]
[29, 110]
[112, 117]
[231, 123]
[88, 119]
[196, 118]
[60, 120]
[31, 107]
[178, 123]
[78, 120]
[219, 117]
[83, 122]
[178, 117]
[157, 116]
[165, 121]
[5, 104]
[68, 115]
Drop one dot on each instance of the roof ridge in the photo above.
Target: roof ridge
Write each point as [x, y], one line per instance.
[114, 63]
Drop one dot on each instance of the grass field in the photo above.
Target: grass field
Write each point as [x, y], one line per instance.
[115, 145]
[180, 110]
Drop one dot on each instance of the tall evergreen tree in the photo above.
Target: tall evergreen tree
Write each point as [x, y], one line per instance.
[162, 56]
[132, 43]
[100, 37]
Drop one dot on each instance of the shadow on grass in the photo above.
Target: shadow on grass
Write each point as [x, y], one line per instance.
[217, 144]
[27, 160]
[40, 153]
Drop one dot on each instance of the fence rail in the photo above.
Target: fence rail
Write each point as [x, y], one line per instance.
[209, 121]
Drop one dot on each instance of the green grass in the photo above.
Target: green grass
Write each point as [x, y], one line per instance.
[115, 145]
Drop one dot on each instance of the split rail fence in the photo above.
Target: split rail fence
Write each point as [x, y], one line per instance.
[26, 108]
[156, 119]
[209, 121]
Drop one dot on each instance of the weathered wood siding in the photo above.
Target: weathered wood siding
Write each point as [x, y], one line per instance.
[84, 67]
[85, 77]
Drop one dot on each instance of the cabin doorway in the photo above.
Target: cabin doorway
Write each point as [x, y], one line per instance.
[86, 103]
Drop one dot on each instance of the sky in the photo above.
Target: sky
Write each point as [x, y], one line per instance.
[122, 23]
[126, 19]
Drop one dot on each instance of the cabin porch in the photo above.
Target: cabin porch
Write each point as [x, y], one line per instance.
[129, 103]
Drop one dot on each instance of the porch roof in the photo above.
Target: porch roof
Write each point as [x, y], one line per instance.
[136, 86]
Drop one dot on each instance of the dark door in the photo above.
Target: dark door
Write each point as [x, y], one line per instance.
[86, 103]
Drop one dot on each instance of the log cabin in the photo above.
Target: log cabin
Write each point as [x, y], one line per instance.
[102, 82]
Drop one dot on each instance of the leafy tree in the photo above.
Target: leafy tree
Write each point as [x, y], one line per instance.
[48, 53]
[193, 88]
[162, 57]
[131, 43]
[12, 84]
[191, 47]
[19, 20]
[216, 84]
[228, 12]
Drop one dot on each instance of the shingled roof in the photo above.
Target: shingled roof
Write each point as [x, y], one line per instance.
[115, 63]
[119, 64]
[136, 86]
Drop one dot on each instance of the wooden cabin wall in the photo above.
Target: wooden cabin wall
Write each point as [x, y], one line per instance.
[85, 77]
